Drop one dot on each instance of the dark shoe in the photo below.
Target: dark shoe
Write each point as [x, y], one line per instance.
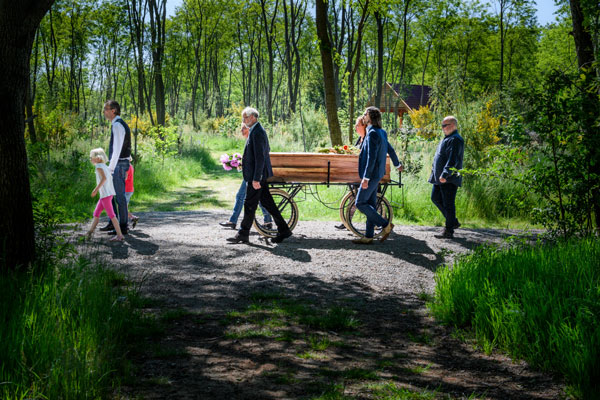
[340, 226]
[124, 231]
[447, 234]
[386, 232]
[227, 224]
[239, 238]
[268, 225]
[281, 237]
[363, 240]
[107, 227]
[134, 222]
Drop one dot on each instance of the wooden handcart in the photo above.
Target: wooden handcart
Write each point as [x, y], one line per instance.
[303, 172]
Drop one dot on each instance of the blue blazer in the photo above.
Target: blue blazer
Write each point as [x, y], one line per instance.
[372, 157]
[390, 150]
[449, 154]
[256, 163]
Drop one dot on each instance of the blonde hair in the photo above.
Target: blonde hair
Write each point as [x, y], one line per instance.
[99, 153]
[360, 121]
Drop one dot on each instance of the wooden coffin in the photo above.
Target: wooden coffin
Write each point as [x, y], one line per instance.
[318, 168]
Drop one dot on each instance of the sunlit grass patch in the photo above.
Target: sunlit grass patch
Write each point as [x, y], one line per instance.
[311, 355]
[318, 342]
[337, 319]
[391, 391]
[417, 369]
[249, 333]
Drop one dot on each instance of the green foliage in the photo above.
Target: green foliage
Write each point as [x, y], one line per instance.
[540, 303]
[487, 129]
[166, 141]
[65, 321]
[58, 129]
[62, 180]
[308, 128]
[554, 153]
[423, 121]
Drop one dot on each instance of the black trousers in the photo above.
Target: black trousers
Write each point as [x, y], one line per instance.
[262, 195]
[444, 196]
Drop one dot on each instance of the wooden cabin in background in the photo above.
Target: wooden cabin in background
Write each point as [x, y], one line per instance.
[400, 100]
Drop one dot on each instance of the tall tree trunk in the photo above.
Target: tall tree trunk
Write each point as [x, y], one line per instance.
[326, 50]
[380, 51]
[269, 27]
[293, 32]
[583, 39]
[158, 16]
[137, 14]
[405, 40]
[351, 93]
[423, 74]
[585, 58]
[30, 94]
[503, 5]
[18, 23]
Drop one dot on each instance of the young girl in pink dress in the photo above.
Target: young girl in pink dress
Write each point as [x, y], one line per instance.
[104, 187]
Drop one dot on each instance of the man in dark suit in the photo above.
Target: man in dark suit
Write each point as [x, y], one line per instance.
[256, 169]
[371, 168]
[444, 176]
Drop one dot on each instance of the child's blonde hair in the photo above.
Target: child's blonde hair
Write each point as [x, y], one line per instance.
[99, 153]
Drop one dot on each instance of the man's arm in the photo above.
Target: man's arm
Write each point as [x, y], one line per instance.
[118, 139]
[393, 156]
[259, 144]
[453, 150]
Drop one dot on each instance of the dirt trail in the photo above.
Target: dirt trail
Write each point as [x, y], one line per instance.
[216, 347]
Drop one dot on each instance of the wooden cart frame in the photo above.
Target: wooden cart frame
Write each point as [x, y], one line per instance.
[284, 193]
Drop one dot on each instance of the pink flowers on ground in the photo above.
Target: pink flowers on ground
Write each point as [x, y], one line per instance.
[230, 163]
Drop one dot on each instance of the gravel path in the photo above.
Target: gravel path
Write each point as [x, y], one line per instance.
[181, 246]
[184, 260]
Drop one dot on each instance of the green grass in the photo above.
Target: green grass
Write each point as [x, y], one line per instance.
[64, 330]
[540, 303]
[391, 391]
[272, 315]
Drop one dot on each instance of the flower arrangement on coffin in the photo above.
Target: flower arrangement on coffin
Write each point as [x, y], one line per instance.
[229, 163]
[345, 149]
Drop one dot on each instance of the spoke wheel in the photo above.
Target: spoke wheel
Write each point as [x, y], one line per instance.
[288, 209]
[357, 222]
[347, 203]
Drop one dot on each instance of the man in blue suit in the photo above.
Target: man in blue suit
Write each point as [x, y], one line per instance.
[371, 168]
[445, 177]
[256, 169]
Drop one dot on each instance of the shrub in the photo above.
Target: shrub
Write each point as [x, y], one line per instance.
[423, 120]
[486, 131]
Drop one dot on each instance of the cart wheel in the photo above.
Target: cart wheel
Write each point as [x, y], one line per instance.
[356, 220]
[347, 203]
[288, 209]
